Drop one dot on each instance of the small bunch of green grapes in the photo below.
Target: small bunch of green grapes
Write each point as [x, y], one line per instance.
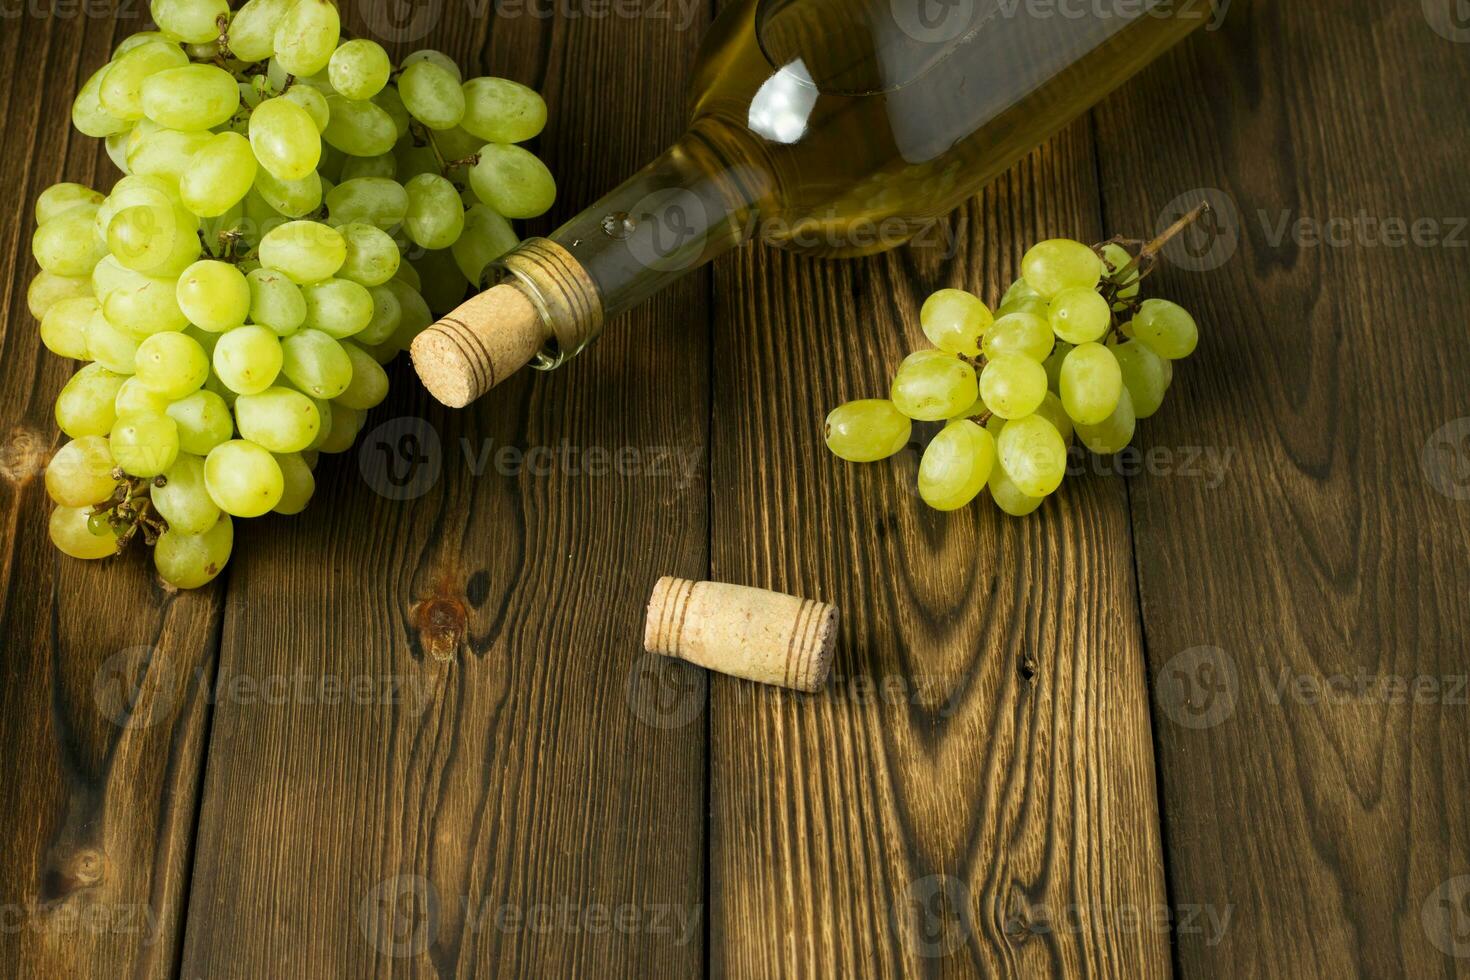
[1071, 351]
[292, 208]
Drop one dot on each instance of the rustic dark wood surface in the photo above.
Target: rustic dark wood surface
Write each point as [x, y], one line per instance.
[1155, 729]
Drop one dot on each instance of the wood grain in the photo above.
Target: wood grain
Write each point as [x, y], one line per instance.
[520, 809]
[974, 794]
[103, 695]
[1333, 829]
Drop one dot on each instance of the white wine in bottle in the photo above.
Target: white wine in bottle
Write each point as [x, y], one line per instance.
[829, 127]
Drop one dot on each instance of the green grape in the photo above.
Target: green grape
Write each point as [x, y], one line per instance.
[1060, 263]
[486, 237]
[437, 58]
[372, 255]
[190, 98]
[219, 175]
[109, 346]
[260, 219]
[48, 289]
[64, 327]
[306, 37]
[387, 315]
[1166, 328]
[1053, 411]
[297, 482]
[145, 307]
[346, 423]
[415, 160]
[243, 479]
[164, 152]
[1079, 316]
[70, 529]
[1019, 333]
[384, 165]
[313, 101]
[443, 273]
[68, 245]
[80, 474]
[87, 114]
[1012, 385]
[279, 419]
[120, 93]
[1114, 432]
[362, 129]
[414, 313]
[513, 181]
[372, 200]
[85, 405]
[392, 103]
[956, 465]
[171, 364]
[1146, 376]
[407, 273]
[1053, 364]
[337, 307]
[867, 430]
[275, 302]
[144, 444]
[954, 321]
[292, 198]
[134, 397]
[369, 385]
[253, 29]
[204, 422]
[1116, 258]
[359, 69]
[931, 385]
[1090, 383]
[182, 500]
[214, 296]
[153, 239]
[316, 364]
[435, 215]
[247, 359]
[191, 21]
[188, 561]
[305, 251]
[498, 110]
[432, 95]
[1008, 497]
[1033, 454]
[132, 190]
[284, 138]
[1019, 291]
[60, 198]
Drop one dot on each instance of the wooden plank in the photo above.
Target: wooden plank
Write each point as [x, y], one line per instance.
[974, 794]
[1333, 828]
[514, 814]
[103, 705]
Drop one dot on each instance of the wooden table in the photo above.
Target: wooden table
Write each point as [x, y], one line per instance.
[1203, 715]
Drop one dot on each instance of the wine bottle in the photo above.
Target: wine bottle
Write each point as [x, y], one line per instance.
[830, 127]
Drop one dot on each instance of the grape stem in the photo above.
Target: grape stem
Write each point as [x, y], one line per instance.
[1145, 260]
[127, 511]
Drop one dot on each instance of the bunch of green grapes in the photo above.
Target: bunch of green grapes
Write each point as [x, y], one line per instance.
[1072, 351]
[292, 208]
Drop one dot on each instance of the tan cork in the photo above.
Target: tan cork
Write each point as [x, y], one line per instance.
[751, 633]
[547, 297]
[481, 343]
